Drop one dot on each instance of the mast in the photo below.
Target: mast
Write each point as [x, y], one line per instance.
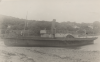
[25, 23]
[53, 29]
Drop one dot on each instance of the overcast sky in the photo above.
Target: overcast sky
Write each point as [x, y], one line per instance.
[61, 10]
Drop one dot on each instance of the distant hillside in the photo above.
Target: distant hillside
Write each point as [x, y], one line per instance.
[36, 26]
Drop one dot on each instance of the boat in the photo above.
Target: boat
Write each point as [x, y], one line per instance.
[52, 41]
[27, 41]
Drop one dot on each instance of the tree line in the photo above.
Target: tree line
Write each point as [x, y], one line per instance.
[36, 26]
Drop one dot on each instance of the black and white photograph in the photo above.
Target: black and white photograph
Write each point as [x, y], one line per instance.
[49, 30]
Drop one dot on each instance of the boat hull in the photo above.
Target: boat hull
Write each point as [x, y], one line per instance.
[48, 42]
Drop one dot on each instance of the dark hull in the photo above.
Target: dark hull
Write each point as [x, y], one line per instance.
[49, 42]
